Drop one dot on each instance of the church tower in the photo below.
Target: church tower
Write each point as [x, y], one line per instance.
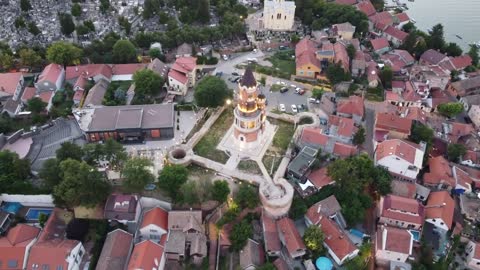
[278, 15]
[249, 120]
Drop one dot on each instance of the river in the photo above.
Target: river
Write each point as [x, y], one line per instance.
[458, 17]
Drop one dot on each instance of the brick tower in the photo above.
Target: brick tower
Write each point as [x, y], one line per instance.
[249, 122]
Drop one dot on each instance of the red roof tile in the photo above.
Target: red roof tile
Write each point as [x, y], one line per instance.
[432, 57]
[9, 82]
[392, 122]
[461, 62]
[178, 76]
[185, 64]
[46, 96]
[336, 240]
[156, 216]
[146, 255]
[440, 205]
[280, 264]
[396, 33]
[402, 17]
[115, 250]
[50, 73]
[305, 53]
[398, 148]
[319, 178]
[379, 43]
[383, 18]
[270, 234]
[78, 95]
[463, 179]
[366, 7]
[395, 239]
[88, 71]
[293, 240]
[313, 136]
[344, 150]
[402, 209]
[345, 126]
[127, 69]
[13, 245]
[354, 105]
[28, 93]
[341, 56]
[440, 172]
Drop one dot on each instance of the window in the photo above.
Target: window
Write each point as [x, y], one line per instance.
[154, 237]
[12, 263]
[60, 267]
[45, 267]
[285, 17]
[153, 231]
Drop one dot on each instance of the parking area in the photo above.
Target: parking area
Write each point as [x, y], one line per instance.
[276, 99]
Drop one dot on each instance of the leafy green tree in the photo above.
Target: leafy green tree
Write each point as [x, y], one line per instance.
[147, 82]
[137, 174]
[29, 57]
[189, 193]
[82, 30]
[359, 136]
[452, 49]
[203, 11]
[124, 52]
[450, 109]
[421, 133]
[114, 153]
[298, 208]
[378, 4]
[155, 53]
[220, 191]
[247, 197]
[240, 234]
[89, 24]
[211, 91]
[351, 51]
[104, 6]
[473, 52]
[408, 27]
[63, 53]
[14, 172]
[436, 40]
[6, 61]
[313, 239]
[171, 178]
[93, 153]
[336, 74]
[36, 105]
[125, 24]
[150, 8]
[386, 75]
[42, 219]
[82, 185]
[25, 5]
[455, 151]
[33, 29]
[20, 23]
[67, 26]
[267, 266]
[69, 150]
[76, 10]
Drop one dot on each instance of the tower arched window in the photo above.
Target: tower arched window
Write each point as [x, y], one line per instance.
[279, 16]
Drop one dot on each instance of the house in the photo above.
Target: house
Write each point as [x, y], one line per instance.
[124, 72]
[182, 75]
[393, 244]
[401, 212]
[290, 238]
[461, 62]
[306, 63]
[433, 57]
[326, 53]
[402, 159]
[401, 19]
[280, 264]
[343, 31]
[472, 251]
[251, 255]
[270, 235]
[318, 179]
[341, 56]
[32, 92]
[11, 85]
[312, 137]
[440, 209]
[474, 114]
[339, 246]
[77, 75]
[51, 78]
[398, 60]
[147, 255]
[154, 224]
[467, 87]
[328, 207]
[122, 208]
[278, 15]
[298, 168]
[381, 20]
[158, 67]
[359, 64]
[342, 128]
[5, 221]
[53, 250]
[96, 94]
[440, 174]
[15, 246]
[392, 126]
[366, 7]
[116, 250]
[186, 234]
[436, 76]
[184, 50]
[342, 150]
[353, 107]
[394, 35]
[372, 75]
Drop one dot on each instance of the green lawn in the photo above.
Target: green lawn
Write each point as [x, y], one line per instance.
[275, 87]
[281, 140]
[375, 94]
[249, 166]
[110, 99]
[283, 61]
[206, 147]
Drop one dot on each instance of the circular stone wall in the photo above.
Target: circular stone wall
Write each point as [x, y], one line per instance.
[179, 155]
[276, 198]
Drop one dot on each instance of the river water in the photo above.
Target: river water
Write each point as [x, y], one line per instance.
[458, 17]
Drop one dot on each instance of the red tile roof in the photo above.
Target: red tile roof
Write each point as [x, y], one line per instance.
[383, 18]
[181, 77]
[395, 239]
[344, 150]
[402, 209]
[156, 216]
[9, 82]
[463, 178]
[461, 62]
[305, 53]
[345, 126]
[440, 205]
[307, 59]
[402, 17]
[313, 136]
[336, 240]
[146, 255]
[341, 56]
[392, 122]
[185, 64]
[293, 240]
[396, 33]
[379, 43]
[13, 245]
[78, 95]
[46, 96]
[319, 178]
[398, 148]
[326, 207]
[366, 7]
[280, 264]
[115, 250]
[432, 57]
[127, 69]
[88, 71]
[354, 105]
[28, 93]
[440, 172]
[50, 73]
[270, 234]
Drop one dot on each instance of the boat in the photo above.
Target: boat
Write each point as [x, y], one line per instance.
[458, 36]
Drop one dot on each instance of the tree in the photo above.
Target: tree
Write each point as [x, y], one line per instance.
[29, 57]
[247, 197]
[203, 11]
[450, 109]
[67, 26]
[82, 30]
[137, 174]
[351, 51]
[147, 82]
[76, 10]
[124, 52]
[104, 6]
[336, 74]
[114, 153]
[313, 239]
[409, 27]
[14, 172]
[436, 40]
[36, 105]
[89, 24]
[298, 208]
[386, 75]
[295, 39]
[220, 191]
[33, 29]
[453, 49]
[125, 24]
[155, 53]
[69, 150]
[189, 193]
[42, 219]
[211, 91]
[473, 52]
[82, 185]
[6, 61]
[421, 133]
[150, 8]
[171, 178]
[456, 151]
[240, 234]
[63, 53]
[25, 5]
[359, 137]
[50, 173]
[19, 22]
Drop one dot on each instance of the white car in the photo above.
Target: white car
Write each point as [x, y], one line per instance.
[282, 107]
[283, 83]
[293, 86]
[294, 108]
[225, 57]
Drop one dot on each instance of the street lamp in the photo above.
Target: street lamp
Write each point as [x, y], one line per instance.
[228, 101]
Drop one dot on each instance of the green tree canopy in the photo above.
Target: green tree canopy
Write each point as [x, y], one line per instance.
[14, 173]
[69, 150]
[50, 173]
[25, 5]
[114, 153]
[473, 52]
[6, 61]
[452, 49]
[450, 109]
[313, 239]
[247, 196]
[436, 39]
[351, 51]
[36, 105]
[156, 53]
[137, 174]
[317, 93]
[147, 82]
[63, 53]
[189, 193]
[421, 133]
[203, 11]
[212, 91]
[359, 137]
[336, 74]
[124, 52]
[67, 26]
[76, 10]
[29, 57]
[240, 234]
[33, 29]
[171, 178]
[220, 191]
[455, 151]
[386, 75]
[82, 185]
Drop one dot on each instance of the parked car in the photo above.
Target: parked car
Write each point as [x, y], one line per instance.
[225, 57]
[282, 107]
[299, 91]
[235, 74]
[294, 108]
[283, 90]
[301, 107]
[312, 100]
[150, 187]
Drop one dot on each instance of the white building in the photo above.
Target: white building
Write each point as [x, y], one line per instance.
[473, 255]
[154, 224]
[51, 78]
[278, 15]
[182, 75]
[393, 244]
